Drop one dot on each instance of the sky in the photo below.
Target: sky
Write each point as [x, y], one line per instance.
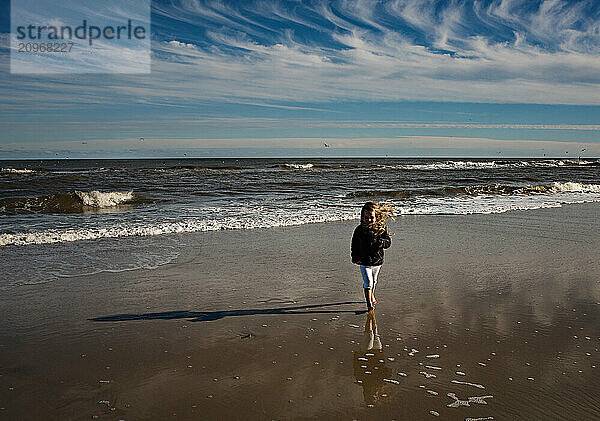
[403, 78]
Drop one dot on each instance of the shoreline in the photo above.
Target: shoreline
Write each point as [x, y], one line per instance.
[496, 289]
[169, 229]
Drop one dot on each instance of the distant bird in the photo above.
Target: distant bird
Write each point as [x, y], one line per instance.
[141, 139]
[84, 143]
[325, 144]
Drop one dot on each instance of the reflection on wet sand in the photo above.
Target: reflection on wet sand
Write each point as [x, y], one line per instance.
[418, 384]
[369, 364]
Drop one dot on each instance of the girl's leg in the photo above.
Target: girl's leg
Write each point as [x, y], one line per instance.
[369, 299]
[367, 275]
[375, 272]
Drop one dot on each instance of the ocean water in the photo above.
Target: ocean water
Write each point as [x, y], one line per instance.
[68, 217]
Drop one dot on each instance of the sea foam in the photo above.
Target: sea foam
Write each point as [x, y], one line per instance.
[298, 166]
[184, 226]
[255, 215]
[16, 170]
[498, 164]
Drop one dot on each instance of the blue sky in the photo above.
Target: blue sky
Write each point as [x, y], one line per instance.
[369, 78]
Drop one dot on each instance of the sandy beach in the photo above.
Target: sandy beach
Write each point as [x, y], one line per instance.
[478, 316]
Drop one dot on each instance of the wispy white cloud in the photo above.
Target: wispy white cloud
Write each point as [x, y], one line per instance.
[381, 62]
[507, 51]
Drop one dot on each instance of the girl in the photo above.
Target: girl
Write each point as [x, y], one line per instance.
[368, 242]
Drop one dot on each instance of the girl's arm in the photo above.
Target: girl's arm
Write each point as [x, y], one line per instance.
[385, 239]
[354, 248]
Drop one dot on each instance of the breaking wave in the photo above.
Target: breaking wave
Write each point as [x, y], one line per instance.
[479, 165]
[202, 167]
[16, 171]
[297, 166]
[70, 202]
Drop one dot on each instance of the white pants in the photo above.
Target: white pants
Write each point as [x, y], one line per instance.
[369, 275]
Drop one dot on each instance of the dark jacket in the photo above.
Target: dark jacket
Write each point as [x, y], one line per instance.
[367, 247]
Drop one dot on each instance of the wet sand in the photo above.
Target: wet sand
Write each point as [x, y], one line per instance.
[479, 316]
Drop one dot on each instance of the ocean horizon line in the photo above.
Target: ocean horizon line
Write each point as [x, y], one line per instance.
[296, 157]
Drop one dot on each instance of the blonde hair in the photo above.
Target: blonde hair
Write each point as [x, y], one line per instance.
[383, 212]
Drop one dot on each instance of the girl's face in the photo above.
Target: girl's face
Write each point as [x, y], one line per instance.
[368, 218]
